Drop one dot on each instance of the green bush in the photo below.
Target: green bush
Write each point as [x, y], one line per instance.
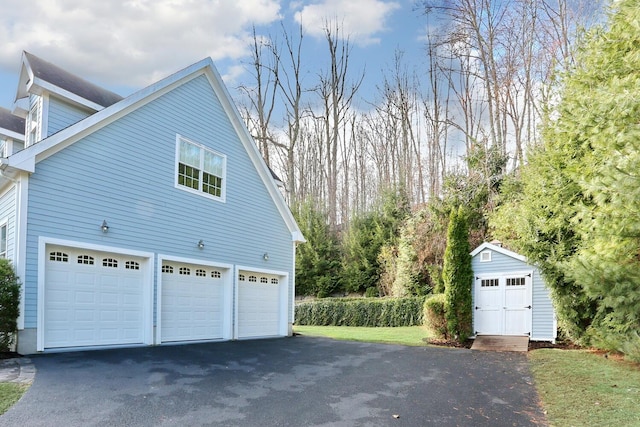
[373, 312]
[372, 292]
[433, 314]
[9, 304]
[457, 276]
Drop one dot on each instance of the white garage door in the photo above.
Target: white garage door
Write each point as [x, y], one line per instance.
[192, 302]
[503, 305]
[259, 313]
[92, 298]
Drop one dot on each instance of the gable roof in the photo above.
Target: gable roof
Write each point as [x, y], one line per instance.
[499, 249]
[11, 125]
[37, 74]
[26, 159]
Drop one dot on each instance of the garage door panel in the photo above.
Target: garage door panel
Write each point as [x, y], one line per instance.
[87, 304]
[258, 305]
[192, 303]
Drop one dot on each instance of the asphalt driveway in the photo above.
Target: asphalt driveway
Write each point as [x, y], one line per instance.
[298, 381]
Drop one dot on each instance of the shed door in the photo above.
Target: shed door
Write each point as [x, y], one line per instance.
[503, 305]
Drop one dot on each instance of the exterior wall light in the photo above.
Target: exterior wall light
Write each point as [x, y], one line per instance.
[104, 227]
[201, 244]
[265, 256]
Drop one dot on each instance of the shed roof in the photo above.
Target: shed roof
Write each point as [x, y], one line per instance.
[499, 249]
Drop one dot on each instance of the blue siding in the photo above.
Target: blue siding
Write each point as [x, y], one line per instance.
[542, 326]
[8, 213]
[62, 115]
[125, 173]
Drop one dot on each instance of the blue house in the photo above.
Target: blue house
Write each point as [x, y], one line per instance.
[142, 220]
[509, 296]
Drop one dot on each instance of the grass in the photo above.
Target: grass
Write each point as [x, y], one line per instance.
[10, 393]
[407, 335]
[582, 388]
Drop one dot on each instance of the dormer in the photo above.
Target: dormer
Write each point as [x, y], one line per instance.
[51, 99]
[12, 131]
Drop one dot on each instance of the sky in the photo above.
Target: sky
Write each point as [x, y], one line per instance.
[125, 45]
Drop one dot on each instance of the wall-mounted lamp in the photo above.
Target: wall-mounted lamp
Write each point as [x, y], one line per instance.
[265, 256]
[104, 227]
[201, 244]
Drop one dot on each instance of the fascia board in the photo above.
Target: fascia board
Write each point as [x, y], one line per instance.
[44, 86]
[498, 249]
[58, 141]
[243, 133]
[12, 134]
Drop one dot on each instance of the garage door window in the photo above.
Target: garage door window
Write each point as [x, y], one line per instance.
[275, 281]
[201, 273]
[216, 274]
[132, 265]
[59, 257]
[167, 269]
[489, 283]
[86, 259]
[241, 277]
[185, 271]
[110, 262]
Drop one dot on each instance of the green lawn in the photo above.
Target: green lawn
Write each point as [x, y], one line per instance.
[408, 335]
[581, 388]
[10, 393]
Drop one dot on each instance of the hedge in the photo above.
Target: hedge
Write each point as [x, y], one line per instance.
[361, 312]
[433, 314]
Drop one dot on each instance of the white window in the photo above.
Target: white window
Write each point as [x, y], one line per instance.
[485, 256]
[3, 241]
[33, 124]
[200, 170]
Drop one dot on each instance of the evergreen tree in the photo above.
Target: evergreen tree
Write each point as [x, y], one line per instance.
[457, 276]
[577, 216]
[366, 237]
[318, 261]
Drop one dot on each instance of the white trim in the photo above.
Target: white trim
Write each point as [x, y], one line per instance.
[44, 118]
[199, 192]
[20, 239]
[485, 254]
[284, 298]
[498, 249]
[147, 314]
[42, 86]
[4, 222]
[228, 277]
[11, 134]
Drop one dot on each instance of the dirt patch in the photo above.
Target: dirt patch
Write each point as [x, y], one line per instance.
[9, 355]
[448, 343]
[563, 345]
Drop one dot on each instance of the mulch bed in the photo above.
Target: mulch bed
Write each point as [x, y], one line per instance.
[9, 355]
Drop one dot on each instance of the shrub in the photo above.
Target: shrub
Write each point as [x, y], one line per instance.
[457, 276]
[9, 304]
[433, 314]
[378, 312]
[372, 292]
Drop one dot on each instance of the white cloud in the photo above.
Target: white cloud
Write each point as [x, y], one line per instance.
[129, 42]
[360, 20]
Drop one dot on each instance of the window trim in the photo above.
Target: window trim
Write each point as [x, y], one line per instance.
[4, 223]
[485, 256]
[199, 191]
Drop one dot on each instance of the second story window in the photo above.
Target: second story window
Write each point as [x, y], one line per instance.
[200, 170]
[33, 123]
